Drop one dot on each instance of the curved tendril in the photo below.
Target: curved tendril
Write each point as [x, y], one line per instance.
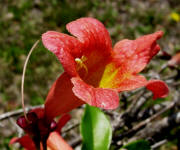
[23, 76]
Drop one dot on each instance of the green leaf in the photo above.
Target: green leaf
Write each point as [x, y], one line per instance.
[96, 130]
[137, 145]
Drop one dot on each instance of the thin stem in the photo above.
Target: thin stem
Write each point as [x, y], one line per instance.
[23, 76]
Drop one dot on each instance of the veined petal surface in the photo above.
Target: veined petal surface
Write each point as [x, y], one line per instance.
[65, 47]
[134, 55]
[99, 97]
[91, 33]
[60, 98]
[25, 141]
[158, 87]
[56, 142]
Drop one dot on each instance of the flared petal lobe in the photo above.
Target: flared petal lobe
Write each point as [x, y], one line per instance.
[60, 98]
[134, 82]
[56, 142]
[55, 41]
[120, 79]
[25, 141]
[91, 33]
[129, 58]
[134, 55]
[99, 97]
[65, 47]
[158, 87]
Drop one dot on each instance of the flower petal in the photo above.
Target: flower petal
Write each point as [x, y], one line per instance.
[39, 112]
[136, 81]
[56, 142]
[91, 33]
[99, 97]
[158, 87]
[120, 79]
[60, 98]
[65, 47]
[62, 122]
[134, 55]
[97, 48]
[25, 142]
[175, 60]
[55, 41]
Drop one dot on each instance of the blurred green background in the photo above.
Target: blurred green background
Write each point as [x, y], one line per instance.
[22, 22]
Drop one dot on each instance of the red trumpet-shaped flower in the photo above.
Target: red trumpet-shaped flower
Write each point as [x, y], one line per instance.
[94, 72]
[41, 132]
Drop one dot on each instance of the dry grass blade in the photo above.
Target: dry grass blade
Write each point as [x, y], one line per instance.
[23, 77]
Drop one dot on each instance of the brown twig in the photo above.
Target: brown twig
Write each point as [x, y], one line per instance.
[147, 112]
[158, 144]
[17, 112]
[127, 117]
[75, 142]
[143, 123]
[70, 127]
[159, 128]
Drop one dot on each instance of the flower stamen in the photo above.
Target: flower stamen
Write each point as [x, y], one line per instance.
[81, 65]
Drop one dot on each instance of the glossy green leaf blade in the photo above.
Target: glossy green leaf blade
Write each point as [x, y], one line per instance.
[96, 130]
[137, 145]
